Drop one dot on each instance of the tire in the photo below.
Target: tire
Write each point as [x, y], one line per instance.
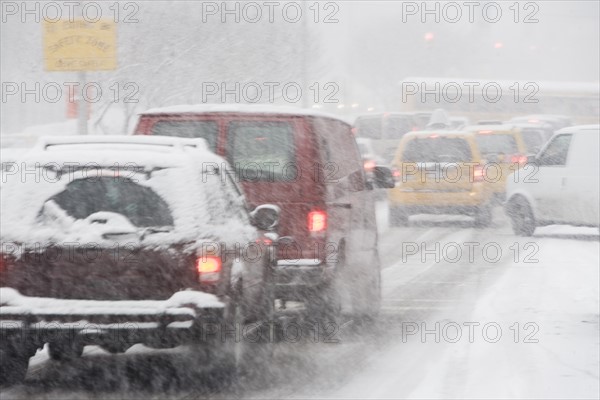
[13, 365]
[521, 217]
[483, 216]
[324, 303]
[65, 351]
[366, 303]
[398, 217]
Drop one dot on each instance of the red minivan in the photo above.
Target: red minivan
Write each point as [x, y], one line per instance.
[306, 163]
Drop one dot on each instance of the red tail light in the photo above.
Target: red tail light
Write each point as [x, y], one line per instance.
[478, 173]
[354, 131]
[518, 159]
[209, 268]
[369, 165]
[396, 174]
[317, 221]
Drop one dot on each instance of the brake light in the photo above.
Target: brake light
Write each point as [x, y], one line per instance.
[369, 165]
[518, 159]
[434, 136]
[396, 174]
[485, 132]
[478, 173]
[354, 131]
[209, 269]
[317, 221]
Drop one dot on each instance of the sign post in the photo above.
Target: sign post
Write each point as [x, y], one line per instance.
[80, 46]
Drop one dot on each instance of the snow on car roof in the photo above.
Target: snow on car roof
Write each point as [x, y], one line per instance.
[150, 151]
[172, 168]
[437, 132]
[491, 127]
[580, 128]
[241, 108]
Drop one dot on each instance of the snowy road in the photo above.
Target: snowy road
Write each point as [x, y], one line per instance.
[466, 313]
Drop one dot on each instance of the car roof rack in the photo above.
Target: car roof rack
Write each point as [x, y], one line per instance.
[176, 143]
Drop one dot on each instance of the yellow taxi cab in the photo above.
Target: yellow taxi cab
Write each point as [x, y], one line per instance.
[504, 150]
[439, 172]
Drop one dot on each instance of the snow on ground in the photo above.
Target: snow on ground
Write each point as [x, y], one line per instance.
[553, 352]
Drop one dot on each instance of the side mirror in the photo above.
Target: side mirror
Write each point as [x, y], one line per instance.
[383, 178]
[532, 159]
[265, 217]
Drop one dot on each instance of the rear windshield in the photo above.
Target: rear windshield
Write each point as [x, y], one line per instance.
[140, 204]
[437, 150]
[533, 139]
[369, 128]
[497, 144]
[189, 129]
[396, 127]
[262, 150]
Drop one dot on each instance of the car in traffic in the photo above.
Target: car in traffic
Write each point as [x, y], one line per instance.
[440, 172]
[559, 185]
[120, 240]
[369, 157]
[534, 136]
[385, 130]
[503, 149]
[308, 164]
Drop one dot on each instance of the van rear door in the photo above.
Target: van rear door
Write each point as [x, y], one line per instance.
[274, 161]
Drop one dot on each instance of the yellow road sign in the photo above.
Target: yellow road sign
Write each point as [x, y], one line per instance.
[80, 45]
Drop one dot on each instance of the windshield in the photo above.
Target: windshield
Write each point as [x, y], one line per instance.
[261, 150]
[533, 139]
[497, 144]
[437, 150]
[140, 204]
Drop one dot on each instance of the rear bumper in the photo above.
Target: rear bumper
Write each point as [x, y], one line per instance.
[294, 278]
[435, 199]
[38, 320]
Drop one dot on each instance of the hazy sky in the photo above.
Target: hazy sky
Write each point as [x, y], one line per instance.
[366, 48]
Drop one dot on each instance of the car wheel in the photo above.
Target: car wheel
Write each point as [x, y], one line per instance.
[366, 298]
[521, 217]
[255, 349]
[324, 303]
[13, 365]
[65, 351]
[483, 216]
[398, 217]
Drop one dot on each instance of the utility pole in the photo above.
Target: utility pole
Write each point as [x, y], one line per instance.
[82, 107]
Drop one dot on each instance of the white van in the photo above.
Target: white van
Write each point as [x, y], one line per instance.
[559, 185]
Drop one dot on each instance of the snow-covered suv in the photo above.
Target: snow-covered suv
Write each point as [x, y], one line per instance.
[116, 240]
[559, 185]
